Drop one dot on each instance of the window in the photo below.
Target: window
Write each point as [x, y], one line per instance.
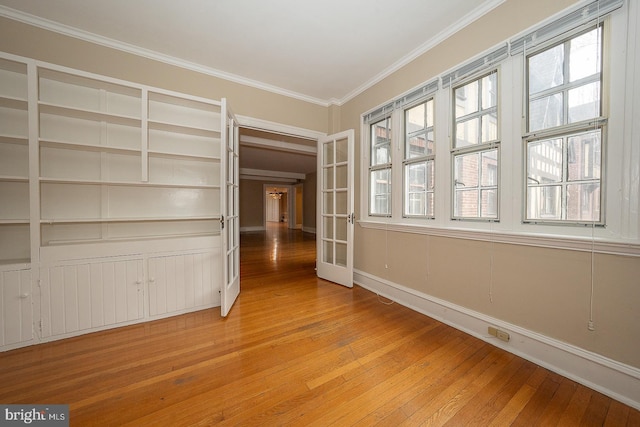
[380, 168]
[475, 148]
[565, 124]
[419, 159]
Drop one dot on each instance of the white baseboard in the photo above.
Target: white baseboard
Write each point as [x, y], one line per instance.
[250, 229]
[311, 230]
[614, 379]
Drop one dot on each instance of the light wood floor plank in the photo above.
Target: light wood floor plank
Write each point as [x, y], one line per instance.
[297, 351]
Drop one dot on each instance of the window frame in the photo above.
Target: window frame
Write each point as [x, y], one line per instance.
[425, 159]
[380, 167]
[480, 148]
[567, 129]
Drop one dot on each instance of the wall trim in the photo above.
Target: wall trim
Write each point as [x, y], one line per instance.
[582, 244]
[311, 230]
[617, 380]
[251, 229]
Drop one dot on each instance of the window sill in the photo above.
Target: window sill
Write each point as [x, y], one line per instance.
[581, 244]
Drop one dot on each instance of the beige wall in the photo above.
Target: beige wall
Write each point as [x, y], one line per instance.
[251, 203]
[543, 290]
[309, 201]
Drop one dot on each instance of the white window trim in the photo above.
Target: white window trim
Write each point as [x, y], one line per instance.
[621, 201]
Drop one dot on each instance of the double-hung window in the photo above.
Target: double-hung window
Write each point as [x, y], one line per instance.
[419, 159]
[475, 148]
[380, 168]
[564, 142]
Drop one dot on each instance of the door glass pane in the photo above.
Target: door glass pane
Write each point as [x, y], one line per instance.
[327, 222]
[328, 153]
[341, 203]
[328, 178]
[342, 150]
[327, 252]
[341, 176]
[341, 254]
[328, 203]
[544, 159]
[341, 229]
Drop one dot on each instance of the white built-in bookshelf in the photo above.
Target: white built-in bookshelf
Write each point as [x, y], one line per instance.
[109, 201]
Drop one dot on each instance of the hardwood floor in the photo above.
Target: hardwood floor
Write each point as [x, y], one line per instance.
[296, 350]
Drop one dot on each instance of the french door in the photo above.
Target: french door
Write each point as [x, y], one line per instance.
[335, 218]
[230, 207]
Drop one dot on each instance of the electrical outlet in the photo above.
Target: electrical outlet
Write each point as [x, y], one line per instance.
[501, 335]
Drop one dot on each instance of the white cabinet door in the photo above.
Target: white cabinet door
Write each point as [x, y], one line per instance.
[16, 306]
[180, 283]
[91, 295]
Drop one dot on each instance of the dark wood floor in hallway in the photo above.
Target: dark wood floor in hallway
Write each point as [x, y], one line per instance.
[297, 350]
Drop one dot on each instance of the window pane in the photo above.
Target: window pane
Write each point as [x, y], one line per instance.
[466, 98]
[415, 119]
[546, 112]
[490, 168]
[467, 133]
[544, 202]
[489, 91]
[342, 150]
[328, 178]
[584, 55]
[341, 254]
[466, 170]
[416, 204]
[466, 204]
[381, 192]
[544, 161]
[583, 202]
[546, 69]
[584, 102]
[341, 229]
[327, 221]
[328, 252]
[584, 153]
[430, 106]
[489, 127]
[419, 146]
[341, 176]
[489, 206]
[328, 203]
[430, 205]
[381, 142]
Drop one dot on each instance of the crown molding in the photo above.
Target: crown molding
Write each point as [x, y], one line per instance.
[150, 54]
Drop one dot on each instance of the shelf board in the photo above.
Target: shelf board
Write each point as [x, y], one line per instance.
[8, 178]
[96, 116]
[88, 82]
[14, 221]
[52, 221]
[123, 183]
[170, 155]
[49, 143]
[184, 129]
[14, 103]
[14, 139]
[130, 239]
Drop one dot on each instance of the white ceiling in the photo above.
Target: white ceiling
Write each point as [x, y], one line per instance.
[321, 51]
